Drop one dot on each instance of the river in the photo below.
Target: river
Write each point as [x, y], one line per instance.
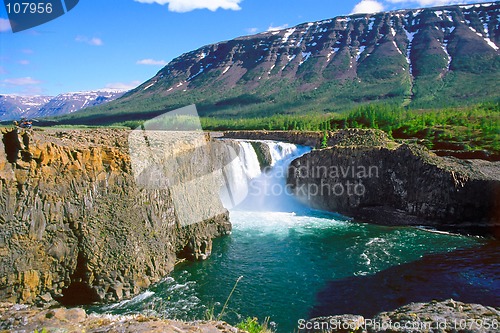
[297, 263]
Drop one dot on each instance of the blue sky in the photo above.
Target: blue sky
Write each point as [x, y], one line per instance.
[122, 43]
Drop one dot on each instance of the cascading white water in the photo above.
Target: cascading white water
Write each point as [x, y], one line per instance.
[248, 188]
[289, 255]
[249, 160]
[281, 150]
[238, 174]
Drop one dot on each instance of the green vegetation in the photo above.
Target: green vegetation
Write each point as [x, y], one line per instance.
[252, 325]
[309, 122]
[228, 298]
[324, 141]
[43, 330]
[381, 79]
[210, 313]
[470, 128]
[456, 128]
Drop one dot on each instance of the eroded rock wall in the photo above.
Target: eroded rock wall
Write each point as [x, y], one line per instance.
[394, 184]
[75, 226]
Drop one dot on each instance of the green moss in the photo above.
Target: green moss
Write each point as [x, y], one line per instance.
[252, 325]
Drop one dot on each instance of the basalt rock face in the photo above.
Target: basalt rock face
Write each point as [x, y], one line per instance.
[304, 138]
[446, 316]
[392, 184]
[314, 138]
[76, 227]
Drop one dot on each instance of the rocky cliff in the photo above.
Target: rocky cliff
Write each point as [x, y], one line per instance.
[22, 318]
[75, 225]
[446, 316]
[367, 176]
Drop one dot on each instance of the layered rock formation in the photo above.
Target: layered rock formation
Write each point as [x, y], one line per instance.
[446, 316]
[367, 176]
[304, 138]
[76, 226]
[21, 318]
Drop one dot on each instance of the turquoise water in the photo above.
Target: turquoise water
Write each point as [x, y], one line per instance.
[297, 263]
[285, 260]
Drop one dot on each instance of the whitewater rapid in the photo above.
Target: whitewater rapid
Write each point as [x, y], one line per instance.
[250, 188]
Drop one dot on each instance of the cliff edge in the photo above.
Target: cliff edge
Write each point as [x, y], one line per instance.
[75, 227]
[365, 175]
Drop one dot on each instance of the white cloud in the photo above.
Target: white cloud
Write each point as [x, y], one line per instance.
[22, 81]
[24, 62]
[425, 3]
[252, 30]
[183, 6]
[4, 25]
[368, 7]
[91, 41]
[280, 27]
[152, 62]
[125, 86]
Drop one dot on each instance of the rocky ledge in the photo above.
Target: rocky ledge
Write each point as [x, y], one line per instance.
[78, 226]
[22, 318]
[447, 316]
[365, 175]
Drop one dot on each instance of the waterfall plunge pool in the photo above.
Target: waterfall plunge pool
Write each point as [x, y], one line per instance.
[299, 263]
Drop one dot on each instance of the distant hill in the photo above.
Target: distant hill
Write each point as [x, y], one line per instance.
[421, 58]
[13, 106]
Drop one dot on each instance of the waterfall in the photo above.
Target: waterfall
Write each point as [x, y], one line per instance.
[248, 188]
[249, 160]
[281, 150]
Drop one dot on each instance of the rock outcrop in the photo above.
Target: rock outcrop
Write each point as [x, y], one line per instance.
[371, 178]
[21, 318]
[314, 138]
[447, 316]
[75, 226]
[304, 138]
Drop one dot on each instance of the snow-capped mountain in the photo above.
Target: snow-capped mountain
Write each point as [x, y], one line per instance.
[430, 57]
[13, 107]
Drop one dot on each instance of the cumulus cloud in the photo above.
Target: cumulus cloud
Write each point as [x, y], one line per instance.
[280, 27]
[124, 86]
[152, 62]
[368, 7]
[22, 81]
[89, 40]
[183, 6]
[425, 3]
[4, 25]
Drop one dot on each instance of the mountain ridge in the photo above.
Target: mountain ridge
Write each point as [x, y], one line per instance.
[15, 106]
[420, 58]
